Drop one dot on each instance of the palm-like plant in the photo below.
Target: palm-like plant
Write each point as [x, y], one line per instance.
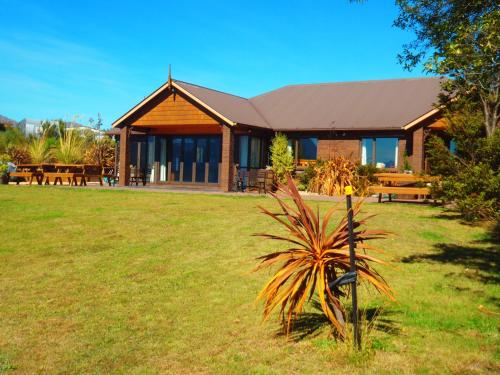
[39, 149]
[70, 149]
[316, 257]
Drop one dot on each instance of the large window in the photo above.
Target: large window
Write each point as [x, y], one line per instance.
[249, 152]
[383, 152]
[196, 154]
[304, 148]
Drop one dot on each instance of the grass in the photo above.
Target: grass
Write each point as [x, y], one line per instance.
[113, 282]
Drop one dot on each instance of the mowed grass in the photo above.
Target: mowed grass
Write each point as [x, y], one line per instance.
[129, 282]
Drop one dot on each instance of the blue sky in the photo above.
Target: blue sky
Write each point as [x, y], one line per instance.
[67, 59]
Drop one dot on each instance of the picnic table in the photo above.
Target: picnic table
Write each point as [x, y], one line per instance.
[260, 179]
[29, 172]
[68, 172]
[74, 174]
[401, 183]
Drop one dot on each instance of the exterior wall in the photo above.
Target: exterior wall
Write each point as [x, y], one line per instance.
[172, 110]
[227, 164]
[328, 148]
[401, 152]
[124, 160]
[416, 157]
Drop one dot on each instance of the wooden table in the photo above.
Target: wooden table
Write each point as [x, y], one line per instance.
[69, 172]
[401, 183]
[28, 172]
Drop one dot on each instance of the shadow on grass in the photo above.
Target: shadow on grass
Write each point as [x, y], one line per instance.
[311, 324]
[481, 263]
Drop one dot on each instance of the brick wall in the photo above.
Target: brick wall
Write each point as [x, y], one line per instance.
[328, 148]
[227, 167]
[417, 153]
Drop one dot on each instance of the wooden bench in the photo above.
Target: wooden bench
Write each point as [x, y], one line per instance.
[410, 190]
[60, 172]
[93, 171]
[28, 172]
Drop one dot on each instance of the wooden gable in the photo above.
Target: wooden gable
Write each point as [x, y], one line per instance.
[171, 110]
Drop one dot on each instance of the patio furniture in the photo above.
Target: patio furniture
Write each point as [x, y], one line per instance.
[401, 184]
[265, 180]
[59, 172]
[110, 176]
[260, 179]
[28, 172]
[137, 175]
[93, 171]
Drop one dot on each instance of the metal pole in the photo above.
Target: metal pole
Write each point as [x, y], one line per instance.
[352, 259]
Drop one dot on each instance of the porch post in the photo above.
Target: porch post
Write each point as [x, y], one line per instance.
[226, 179]
[124, 169]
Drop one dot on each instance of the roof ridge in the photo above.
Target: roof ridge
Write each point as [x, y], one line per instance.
[208, 88]
[345, 82]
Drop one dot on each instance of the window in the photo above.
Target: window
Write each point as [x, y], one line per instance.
[366, 151]
[249, 152]
[305, 148]
[255, 147]
[308, 148]
[383, 152]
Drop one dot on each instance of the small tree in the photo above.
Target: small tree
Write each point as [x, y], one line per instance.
[281, 157]
[470, 175]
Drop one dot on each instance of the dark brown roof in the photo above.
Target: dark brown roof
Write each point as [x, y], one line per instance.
[236, 108]
[388, 104]
[363, 105]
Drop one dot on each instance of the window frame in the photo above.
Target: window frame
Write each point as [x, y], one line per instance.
[374, 150]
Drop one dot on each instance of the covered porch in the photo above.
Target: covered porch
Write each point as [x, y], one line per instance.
[173, 138]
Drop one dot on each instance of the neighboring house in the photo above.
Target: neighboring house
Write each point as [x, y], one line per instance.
[34, 127]
[188, 134]
[7, 121]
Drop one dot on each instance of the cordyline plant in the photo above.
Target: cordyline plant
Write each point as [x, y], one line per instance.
[316, 257]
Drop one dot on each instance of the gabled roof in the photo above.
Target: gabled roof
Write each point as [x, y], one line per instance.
[236, 108]
[364, 105]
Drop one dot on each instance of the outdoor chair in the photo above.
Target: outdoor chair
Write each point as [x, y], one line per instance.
[137, 175]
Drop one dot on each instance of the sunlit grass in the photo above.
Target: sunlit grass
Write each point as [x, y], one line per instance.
[106, 282]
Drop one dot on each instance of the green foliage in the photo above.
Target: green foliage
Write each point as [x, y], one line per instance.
[18, 154]
[281, 157]
[367, 172]
[11, 137]
[307, 175]
[471, 176]
[464, 37]
[70, 149]
[101, 151]
[406, 162]
[39, 150]
[4, 159]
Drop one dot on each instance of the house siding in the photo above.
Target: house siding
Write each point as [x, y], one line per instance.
[172, 110]
[328, 148]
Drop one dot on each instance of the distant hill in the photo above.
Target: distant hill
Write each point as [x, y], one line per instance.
[6, 120]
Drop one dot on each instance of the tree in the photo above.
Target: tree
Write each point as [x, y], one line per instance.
[281, 157]
[458, 39]
[470, 176]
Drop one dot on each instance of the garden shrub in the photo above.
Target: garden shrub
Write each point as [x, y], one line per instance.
[281, 157]
[471, 175]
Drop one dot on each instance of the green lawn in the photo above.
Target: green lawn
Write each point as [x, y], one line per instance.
[102, 282]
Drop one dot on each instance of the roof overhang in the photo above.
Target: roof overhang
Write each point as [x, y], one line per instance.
[418, 120]
[168, 86]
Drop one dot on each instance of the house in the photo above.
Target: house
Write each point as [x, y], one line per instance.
[34, 127]
[188, 134]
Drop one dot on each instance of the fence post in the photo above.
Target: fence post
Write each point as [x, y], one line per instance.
[352, 260]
